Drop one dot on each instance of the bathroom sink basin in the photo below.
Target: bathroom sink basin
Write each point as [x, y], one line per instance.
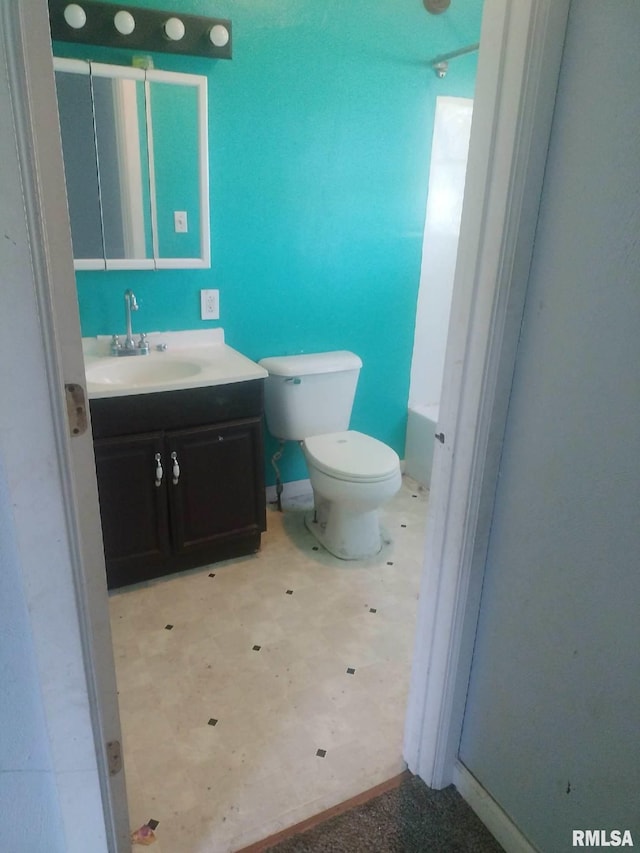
[176, 360]
[141, 370]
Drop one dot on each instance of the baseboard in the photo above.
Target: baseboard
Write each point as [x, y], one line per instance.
[334, 811]
[490, 813]
[294, 489]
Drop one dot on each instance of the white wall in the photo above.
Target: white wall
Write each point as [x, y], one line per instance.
[551, 726]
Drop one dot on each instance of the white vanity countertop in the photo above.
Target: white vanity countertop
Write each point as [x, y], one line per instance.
[192, 359]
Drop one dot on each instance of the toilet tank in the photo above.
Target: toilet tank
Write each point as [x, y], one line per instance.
[310, 394]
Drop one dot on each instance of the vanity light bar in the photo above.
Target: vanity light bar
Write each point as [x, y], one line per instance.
[113, 25]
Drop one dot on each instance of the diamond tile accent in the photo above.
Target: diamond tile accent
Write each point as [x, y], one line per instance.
[258, 770]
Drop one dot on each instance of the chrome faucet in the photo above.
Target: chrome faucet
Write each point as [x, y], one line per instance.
[129, 347]
[130, 304]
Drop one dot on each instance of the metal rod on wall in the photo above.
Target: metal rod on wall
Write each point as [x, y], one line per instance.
[441, 63]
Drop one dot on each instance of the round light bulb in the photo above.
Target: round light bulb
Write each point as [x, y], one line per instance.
[75, 16]
[124, 22]
[174, 29]
[219, 35]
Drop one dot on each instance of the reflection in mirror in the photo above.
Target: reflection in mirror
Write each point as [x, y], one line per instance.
[80, 164]
[175, 127]
[121, 140]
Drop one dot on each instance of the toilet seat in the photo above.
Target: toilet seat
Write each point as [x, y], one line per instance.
[352, 456]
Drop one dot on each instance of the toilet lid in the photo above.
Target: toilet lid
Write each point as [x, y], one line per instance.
[351, 456]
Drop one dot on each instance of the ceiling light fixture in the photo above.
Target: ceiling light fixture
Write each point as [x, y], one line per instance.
[436, 7]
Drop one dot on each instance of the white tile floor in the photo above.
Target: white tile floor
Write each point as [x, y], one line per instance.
[223, 714]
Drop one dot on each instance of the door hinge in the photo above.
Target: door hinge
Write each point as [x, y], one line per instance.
[114, 757]
[76, 408]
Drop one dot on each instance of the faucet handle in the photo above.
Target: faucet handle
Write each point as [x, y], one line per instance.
[116, 346]
[143, 343]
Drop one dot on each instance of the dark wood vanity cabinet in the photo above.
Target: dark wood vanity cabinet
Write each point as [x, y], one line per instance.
[134, 512]
[180, 478]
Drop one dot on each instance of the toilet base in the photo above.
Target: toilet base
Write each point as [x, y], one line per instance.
[347, 534]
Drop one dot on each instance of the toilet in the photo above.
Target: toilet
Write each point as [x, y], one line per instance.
[309, 398]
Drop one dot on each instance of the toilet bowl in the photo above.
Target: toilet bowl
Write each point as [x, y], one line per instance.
[352, 475]
[308, 399]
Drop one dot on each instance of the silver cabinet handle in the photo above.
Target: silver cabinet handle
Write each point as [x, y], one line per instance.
[176, 468]
[159, 471]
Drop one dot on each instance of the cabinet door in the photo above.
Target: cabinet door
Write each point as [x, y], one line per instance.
[133, 507]
[218, 495]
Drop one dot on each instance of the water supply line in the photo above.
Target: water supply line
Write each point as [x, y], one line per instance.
[274, 460]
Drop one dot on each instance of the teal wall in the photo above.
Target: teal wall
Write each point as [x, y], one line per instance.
[320, 131]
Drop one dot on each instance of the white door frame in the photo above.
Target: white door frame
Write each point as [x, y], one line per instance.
[519, 63]
[52, 474]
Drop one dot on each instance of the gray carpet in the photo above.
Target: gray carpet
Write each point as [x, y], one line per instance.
[408, 819]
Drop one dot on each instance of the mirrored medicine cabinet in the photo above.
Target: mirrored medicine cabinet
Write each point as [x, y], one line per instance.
[135, 152]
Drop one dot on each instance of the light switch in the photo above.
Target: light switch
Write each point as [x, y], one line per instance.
[180, 221]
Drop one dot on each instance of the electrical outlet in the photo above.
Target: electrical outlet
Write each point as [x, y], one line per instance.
[180, 221]
[210, 304]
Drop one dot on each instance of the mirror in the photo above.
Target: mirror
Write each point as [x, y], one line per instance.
[175, 189]
[179, 145]
[119, 108]
[75, 106]
[135, 154]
